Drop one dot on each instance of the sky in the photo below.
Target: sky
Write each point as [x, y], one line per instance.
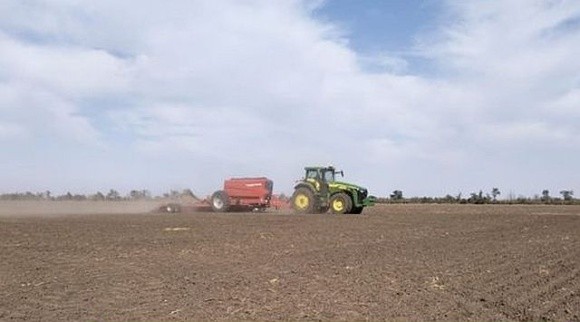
[428, 97]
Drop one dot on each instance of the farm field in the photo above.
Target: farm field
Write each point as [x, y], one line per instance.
[394, 262]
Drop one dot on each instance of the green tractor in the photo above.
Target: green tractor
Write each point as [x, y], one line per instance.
[319, 191]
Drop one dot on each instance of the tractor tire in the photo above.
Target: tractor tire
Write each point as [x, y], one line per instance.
[303, 201]
[356, 210]
[340, 203]
[220, 202]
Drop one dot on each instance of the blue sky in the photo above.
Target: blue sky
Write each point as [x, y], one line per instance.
[377, 28]
[428, 97]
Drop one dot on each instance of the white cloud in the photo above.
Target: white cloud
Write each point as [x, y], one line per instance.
[11, 131]
[567, 105]
[254, 87]
[525, 132]
[39, 113]
[75, 72]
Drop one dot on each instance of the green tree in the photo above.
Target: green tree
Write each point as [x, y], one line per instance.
[397, 195]
[567, 194]
[113, 195]
[494, 193]
[478, 198]
[139, 194]
[546, 195]
[98, 196]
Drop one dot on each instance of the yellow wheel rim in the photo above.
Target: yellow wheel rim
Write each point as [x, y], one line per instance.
[338, 205]
[301, 201]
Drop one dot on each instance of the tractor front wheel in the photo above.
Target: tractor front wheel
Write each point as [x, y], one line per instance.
[303, 201]
[220, 202]
[340, 203]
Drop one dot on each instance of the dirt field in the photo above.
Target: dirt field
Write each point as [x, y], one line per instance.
[395, 262]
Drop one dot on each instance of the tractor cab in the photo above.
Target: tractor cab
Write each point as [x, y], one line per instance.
[321, 179]
[325, 174]
[318, 179]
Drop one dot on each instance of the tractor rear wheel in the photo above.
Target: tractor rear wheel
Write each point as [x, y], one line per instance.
[303, 201]
[220, 202]
[340, 203]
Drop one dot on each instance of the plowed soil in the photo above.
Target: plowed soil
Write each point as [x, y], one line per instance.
[394, 262]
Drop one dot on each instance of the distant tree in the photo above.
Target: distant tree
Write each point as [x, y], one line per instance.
[449, 199]
[546, 195]
[523, 200]
[494, 193]
[478, 198]
[397, 195]
[98, 196]
[136, 194]
[511, 197]
[473, 197]
[567, 194]
[79, 197]
[146, 194]
[113, 195]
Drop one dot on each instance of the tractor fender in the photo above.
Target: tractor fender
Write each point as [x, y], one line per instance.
[305, 185]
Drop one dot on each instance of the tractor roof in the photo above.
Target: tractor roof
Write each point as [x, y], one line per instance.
[319, 168]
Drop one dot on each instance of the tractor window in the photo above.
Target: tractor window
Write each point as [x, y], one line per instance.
[329, 176]
[312, 174]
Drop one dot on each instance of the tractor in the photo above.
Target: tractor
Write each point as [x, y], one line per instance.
[319, 191]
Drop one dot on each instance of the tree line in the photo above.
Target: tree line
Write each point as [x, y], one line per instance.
[111, 195]
[491, 197]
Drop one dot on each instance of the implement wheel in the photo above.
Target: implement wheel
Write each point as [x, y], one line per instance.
[340, 203]
[303, 201]
[220, 202]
